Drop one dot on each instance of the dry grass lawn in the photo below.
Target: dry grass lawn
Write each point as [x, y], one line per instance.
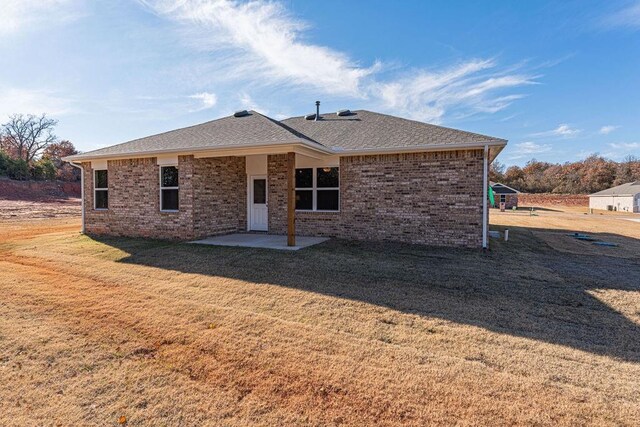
[340, 333]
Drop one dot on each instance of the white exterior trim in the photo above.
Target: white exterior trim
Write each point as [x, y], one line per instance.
[314, 189]
[99, 164]
[167, 160]
[250, 199]
[168, 188]
[299, 147]
[100, 189]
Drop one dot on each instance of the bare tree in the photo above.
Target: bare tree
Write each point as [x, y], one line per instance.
[27, 136]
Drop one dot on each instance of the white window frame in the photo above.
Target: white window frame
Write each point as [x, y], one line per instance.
[503, 198]
[95, 208]
[168, 188]
[314, 190]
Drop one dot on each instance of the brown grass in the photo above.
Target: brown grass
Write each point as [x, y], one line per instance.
[340, 333]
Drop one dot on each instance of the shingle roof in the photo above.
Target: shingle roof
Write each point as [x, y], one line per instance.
[252, 129]
[628, 189]
[368, 130]
[362, 130]
[502, 189]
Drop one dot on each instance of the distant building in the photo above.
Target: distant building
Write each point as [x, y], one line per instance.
[505, 194]
[625, 198]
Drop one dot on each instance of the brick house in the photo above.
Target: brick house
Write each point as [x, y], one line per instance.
[504, 194]
[353, 175]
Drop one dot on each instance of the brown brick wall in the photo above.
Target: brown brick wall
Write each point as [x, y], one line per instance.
[427, 198]
[511, 200]
[212, 199]
[277, 193]
[220, 195]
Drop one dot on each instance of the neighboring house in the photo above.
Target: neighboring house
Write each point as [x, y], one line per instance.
[625, 197]
[352, 175]
[505, 194]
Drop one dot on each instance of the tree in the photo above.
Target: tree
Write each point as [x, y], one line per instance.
[496, 172]
[514, 177]
[43, 169]
[55, 152]
[58, 150]
[27, 136]
[628, 170]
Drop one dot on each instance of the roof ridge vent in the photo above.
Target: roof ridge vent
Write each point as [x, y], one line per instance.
[342, 113]
[241, 113]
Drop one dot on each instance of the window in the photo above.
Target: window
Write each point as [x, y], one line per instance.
[169, 188]
[318, 189]
[503, 198]
[101, 189]
[259, 191]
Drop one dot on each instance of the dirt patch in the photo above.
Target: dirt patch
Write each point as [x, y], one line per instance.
[526, 199]
[38, 191]
[24, 210]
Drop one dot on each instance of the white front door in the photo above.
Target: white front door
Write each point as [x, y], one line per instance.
[258, 211]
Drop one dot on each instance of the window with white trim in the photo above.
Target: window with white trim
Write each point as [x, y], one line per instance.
[169, 188]
[318, 189]
[101, 189]
[503, 198]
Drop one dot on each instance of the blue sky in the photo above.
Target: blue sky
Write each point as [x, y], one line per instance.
[560, 80]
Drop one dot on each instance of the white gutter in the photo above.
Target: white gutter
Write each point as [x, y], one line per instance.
[485, 216]
[75, 165]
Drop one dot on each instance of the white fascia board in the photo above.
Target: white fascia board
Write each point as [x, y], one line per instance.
[496, 147]
[301, 146]
[201, 151]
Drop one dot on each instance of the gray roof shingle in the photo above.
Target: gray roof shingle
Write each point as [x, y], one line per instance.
[628, 189]
[362, 130]
[252, 129]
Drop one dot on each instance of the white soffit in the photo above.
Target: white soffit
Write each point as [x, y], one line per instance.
[168, 160]
[98, 164]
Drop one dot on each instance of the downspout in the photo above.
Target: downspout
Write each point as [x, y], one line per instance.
[485, 216]
[79, 166]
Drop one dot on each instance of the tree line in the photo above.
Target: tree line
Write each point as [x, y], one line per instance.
[29, 149]
[595, 173]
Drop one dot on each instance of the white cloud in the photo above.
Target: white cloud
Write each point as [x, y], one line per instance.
[563, 130]
[606, 130]
[208, 100]
[266, 41]
[626, 145]
[529, 147]
[32, 101]
[19, 15]
[466, 88]
[261, 44]
[628, 17]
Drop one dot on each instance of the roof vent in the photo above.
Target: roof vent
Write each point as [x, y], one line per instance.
[310, 117]
[342, 113]
[241, 113]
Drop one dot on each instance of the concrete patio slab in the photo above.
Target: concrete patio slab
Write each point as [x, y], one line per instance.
[260, 240]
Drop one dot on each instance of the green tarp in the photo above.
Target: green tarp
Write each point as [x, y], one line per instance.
[492, 199]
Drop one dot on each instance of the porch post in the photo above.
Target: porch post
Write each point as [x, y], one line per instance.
[291, 199]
